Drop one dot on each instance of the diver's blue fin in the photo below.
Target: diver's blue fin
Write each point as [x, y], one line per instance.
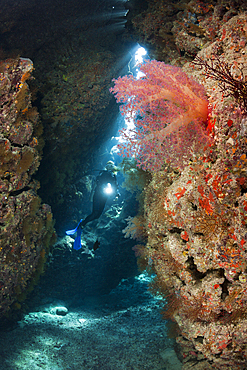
[71, 232]
[78, 229]
[77, 243]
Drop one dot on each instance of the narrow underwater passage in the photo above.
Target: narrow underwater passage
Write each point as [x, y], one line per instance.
[187, 113]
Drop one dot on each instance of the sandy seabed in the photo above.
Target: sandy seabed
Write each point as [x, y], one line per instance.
[111, 332]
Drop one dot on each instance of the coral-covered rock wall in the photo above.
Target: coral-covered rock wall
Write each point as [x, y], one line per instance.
[196, 219]
[26, 225]
[176, 31]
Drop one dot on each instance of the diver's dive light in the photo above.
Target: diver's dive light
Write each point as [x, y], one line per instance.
[108, 189]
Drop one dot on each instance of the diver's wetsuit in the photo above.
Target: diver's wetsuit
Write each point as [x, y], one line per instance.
[99, 201]
[100, 197]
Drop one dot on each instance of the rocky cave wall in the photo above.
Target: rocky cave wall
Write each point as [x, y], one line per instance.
[196, 217]
[26, 226]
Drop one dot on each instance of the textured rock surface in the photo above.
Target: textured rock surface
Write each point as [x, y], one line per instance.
[26, 225]
[196, 225]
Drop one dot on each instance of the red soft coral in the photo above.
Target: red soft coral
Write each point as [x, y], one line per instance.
[170, 111]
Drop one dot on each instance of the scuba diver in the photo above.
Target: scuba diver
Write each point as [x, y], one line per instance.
[106, 187]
